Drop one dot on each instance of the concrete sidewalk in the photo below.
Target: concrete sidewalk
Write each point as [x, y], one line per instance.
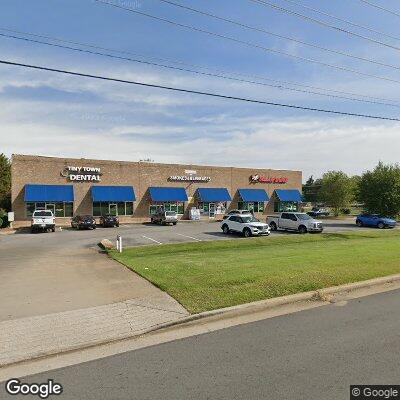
[26, 338]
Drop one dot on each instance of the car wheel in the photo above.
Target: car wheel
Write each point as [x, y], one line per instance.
[225, 229]
[359, 223]
[174, 223]
[117, 225]
[381, 225]
[302, 229]
[53, 229]
[273, 226]
[246, 232]
[94, 227]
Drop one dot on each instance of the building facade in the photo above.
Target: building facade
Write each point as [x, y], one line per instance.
[136, 190]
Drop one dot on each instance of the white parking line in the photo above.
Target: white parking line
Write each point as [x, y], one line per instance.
[153, 240]
[190, 237]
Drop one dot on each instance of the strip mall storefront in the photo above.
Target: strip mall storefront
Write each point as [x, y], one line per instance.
[136, 190]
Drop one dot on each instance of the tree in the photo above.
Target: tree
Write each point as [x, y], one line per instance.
[311, 189]
[5, 182]
[336, 190]
[379, 190]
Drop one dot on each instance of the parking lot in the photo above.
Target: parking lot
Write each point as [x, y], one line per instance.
[148, 234]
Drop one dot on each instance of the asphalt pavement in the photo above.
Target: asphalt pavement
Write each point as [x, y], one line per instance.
[313, 354]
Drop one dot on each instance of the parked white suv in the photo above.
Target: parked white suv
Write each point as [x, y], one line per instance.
[294, 221]
[43, 220]
[245, 224]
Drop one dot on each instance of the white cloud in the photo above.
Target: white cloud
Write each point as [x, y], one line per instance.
[130, 123]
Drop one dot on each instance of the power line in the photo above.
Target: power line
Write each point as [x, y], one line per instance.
[377, 100]
[223, 76]
[346, 21]
[324, 24]
[210, 94]
[249, 44]
[261, 30]
[381, 8]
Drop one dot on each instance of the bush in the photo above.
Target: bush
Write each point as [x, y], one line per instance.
[345, 211]
[3, 219]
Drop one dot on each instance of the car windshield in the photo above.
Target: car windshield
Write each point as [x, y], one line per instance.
[170, 213]
[43, 214]
[249, 218]
[303, 217]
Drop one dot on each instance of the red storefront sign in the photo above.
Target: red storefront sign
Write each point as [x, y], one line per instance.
[267, 179]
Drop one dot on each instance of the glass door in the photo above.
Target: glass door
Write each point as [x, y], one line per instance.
[113, 209]
[211, 210]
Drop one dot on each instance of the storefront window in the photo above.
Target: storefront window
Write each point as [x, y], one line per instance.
[210, 209]
[30, 208]
[68, 209]
[121, 208]
[60, 209]
[129, 208]
[256, 206]
[96, 209]
[178, 207]
[283, 206]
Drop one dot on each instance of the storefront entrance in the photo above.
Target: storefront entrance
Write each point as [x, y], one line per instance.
[211, 210]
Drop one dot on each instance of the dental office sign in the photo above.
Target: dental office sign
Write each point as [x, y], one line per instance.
[267, 179]
[81, 174]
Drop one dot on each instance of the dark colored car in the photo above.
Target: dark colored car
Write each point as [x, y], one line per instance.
[318, 212]
[83, 222]
[109, 221]
[375, 220]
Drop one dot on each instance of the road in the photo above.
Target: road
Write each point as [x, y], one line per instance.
[313, 354]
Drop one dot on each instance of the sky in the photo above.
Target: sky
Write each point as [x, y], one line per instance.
[51, 114]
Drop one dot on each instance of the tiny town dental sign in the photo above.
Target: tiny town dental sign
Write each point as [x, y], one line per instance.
[91, 174]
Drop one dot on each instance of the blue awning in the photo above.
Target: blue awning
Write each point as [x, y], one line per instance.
[168, 194]
[288, 195]
[55, 193]
[211, 195]
[113, 193]
[259, 195]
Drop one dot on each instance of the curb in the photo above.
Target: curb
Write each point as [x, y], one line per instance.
[314, 295]
[324, 295]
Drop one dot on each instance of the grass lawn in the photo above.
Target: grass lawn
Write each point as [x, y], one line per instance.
[208, 275]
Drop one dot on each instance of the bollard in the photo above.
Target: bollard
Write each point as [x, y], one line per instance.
[119, 243]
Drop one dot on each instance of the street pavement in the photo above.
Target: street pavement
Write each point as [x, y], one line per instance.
[314, 354]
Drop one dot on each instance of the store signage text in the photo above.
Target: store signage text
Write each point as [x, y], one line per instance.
[73, 173]
[267, 179]
[189, 178]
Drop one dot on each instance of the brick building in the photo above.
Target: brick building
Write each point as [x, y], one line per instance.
[135, 190]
